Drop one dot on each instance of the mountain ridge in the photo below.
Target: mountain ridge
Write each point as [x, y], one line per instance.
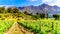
[44, 8]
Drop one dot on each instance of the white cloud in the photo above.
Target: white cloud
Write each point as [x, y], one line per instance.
[52, 2]
[6, 6]
[47, 1]
[1, 5]
[44, 1]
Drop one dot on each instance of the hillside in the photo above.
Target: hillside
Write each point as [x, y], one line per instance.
[13, 21]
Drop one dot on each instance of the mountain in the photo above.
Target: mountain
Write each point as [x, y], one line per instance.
[44, 8]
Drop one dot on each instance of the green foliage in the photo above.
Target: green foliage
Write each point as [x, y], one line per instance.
[32, 22]
[42, 26]
[15, 10]
[56, 16]
[42, 15]
[9, 10]
[2, 10]
[5, 25]
[25, 12]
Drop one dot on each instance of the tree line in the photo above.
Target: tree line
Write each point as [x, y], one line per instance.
[37, 15]
[16, 10]
[8, 10]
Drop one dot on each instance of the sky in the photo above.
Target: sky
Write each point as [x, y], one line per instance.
[28, 2]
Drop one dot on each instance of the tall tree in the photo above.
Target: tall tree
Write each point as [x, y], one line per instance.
[42, 15]
[56, 16]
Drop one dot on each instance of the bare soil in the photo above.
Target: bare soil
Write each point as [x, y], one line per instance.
[17, 29]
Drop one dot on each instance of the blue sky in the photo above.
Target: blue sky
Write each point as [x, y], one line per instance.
[28, 2]
[19, 2]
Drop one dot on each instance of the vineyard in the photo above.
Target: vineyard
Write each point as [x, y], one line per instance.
[5, 25]
[14, 22]
[42, 26]
[38, 26]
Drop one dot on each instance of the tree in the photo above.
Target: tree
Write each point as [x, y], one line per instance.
[56, 16]
[42, 15]
[15, 10]
[9, 10]
[25, 12]
[2, 10]
[37, 13]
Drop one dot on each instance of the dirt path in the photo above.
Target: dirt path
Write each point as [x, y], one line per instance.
[17, 29]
